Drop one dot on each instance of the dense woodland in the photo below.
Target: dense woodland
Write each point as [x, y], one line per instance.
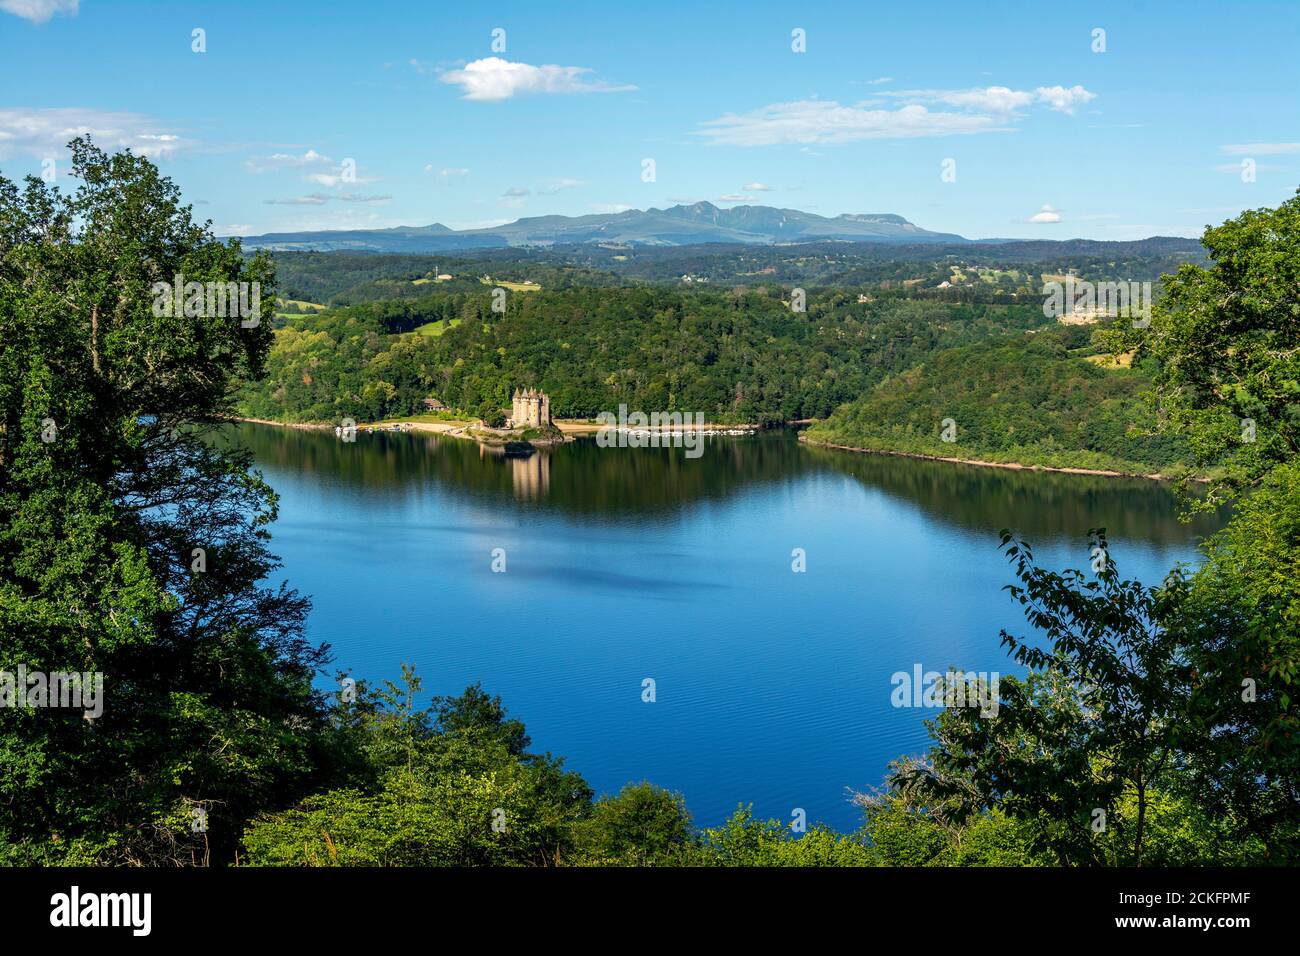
[1029, 400]
[735, 357]
[1169, 708]
[346, 278]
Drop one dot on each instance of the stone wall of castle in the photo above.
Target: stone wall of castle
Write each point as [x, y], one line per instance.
[530, 409]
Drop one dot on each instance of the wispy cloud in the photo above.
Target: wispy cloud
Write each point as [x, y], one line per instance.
[756, 188]
[261, 164]
[338, 178]
[983, 110]
[493, 78]
[1002, 99]
[513, 198]
[880, 80]
[826, 121]
[39, 11]
[315, 199]
[1237, 167]
[1260, 149]
[45, 132]
[448, 172]
[320, 199]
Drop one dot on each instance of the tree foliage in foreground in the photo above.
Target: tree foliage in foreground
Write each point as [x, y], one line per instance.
[108, 484]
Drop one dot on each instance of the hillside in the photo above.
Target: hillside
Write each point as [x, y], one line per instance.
[1027, 401]
[731, 356]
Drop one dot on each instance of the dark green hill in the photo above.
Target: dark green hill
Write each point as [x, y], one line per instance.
[1028, 401]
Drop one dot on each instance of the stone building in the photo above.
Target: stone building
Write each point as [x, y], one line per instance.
[530, 408]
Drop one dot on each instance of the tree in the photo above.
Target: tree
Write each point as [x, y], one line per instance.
[1243, 621]
[1096, 719]
[449, 785]
[133, 540]
[1227, 339]
[643, 825]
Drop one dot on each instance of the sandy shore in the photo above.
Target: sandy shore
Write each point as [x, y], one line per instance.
[1010, 466]
[312, 426]
[576, 426]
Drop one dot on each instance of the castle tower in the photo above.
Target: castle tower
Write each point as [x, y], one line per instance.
[530, 408]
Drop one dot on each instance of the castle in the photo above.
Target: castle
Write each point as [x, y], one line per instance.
[530, 408]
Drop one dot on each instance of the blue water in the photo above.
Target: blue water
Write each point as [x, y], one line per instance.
[772, 687]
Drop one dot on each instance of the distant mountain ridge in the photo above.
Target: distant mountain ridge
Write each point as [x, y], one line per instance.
[680, 225]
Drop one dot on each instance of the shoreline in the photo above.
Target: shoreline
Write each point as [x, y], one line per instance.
[575, 427]
[568, 426]
[1007, 465]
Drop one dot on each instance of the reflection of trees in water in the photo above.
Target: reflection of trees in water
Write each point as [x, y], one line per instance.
[1038, 505]
[581, 478]
[577, 477]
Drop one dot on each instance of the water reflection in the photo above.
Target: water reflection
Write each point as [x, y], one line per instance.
[581, 480]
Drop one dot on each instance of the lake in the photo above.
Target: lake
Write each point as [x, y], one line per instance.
[772, 688]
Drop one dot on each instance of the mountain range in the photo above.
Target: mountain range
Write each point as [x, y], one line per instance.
[680, 225]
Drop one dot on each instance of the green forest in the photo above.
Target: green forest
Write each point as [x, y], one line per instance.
[1028, 401]
[1170, 709]
[736, 357]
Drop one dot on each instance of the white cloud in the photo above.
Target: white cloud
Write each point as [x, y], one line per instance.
[981, 110]
[879, 80]
[260, 164]
[338, 177]
[493, 78]
[609, 207]
[1003, 100]
[1046, 214]
[39, 11]
[826, 121]
[45, 132]
[447, 172]
[1261, 149]
[734, 197]
[1063, 99]
[756, 188]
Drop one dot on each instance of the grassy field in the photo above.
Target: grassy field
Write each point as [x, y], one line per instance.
[436, 329]
[512, 286]
[1123, 360]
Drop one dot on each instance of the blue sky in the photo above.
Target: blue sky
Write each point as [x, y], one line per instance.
[1049, 139]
